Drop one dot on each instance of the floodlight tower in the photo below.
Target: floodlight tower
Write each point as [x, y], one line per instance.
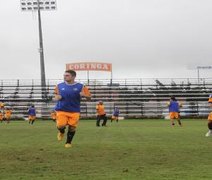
[39, 5]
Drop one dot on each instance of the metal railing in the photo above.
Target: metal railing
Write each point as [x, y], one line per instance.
[135, 97]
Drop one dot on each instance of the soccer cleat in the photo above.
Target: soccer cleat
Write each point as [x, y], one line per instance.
[60, 136]
[68, 145]
[209, 133]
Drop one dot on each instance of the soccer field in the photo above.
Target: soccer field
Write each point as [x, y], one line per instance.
[130, 149]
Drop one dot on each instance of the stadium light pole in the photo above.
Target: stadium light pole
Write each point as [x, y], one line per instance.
[38, 5]
[41, 51]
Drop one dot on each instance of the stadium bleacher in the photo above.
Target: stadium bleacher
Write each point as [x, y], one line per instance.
[135, 98]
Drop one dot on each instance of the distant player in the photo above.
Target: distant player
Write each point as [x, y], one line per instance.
[1, 105]
[209, 133]
[7, 114]
[101, 114]
[174, 110]
[68, 96]
[32, 114]
[1, 116]
[53, 115]
[115, 116]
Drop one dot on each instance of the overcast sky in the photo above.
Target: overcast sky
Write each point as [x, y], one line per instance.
[142, 38]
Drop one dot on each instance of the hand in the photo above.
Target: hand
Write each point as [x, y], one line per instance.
[57, 97]
[82, 94]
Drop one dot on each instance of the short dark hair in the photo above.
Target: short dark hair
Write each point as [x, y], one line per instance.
[72, 72]
[32, 106]
[173, 98]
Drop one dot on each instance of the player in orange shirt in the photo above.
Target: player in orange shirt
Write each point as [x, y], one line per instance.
[1, 116]
[8, 114]
[1, 106]
[209, 133]
[100, 109]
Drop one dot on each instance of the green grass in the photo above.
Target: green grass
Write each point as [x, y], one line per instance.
[131, 149]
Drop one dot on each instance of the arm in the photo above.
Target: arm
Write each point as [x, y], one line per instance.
[168, 104]
[57, 96]
[97, 107]
[85, 93]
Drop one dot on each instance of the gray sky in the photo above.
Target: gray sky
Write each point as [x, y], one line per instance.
[142, 38]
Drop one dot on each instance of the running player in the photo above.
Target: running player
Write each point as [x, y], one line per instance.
[209, 133]
[174, 110]
[1, 105]
[68, 96]
[8, 114]
[31, 114]
[115, 116]
[101, 115]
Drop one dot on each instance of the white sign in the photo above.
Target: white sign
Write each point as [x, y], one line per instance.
[204, 67]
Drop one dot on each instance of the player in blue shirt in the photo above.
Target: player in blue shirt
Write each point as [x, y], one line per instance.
[32, 114]
[174, 110]
[68, 95]
[115, 116]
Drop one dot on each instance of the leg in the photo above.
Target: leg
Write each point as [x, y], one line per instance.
[29, 119]
[112, 118]
[98, 120]
[172, 122]
[61, 129]
[179, 122]
[70, 134]
[72, 124]
[61, 124]
[171, 115]
[33, 119]
[105, 120]
[209, 133]
[210, 125]
[177, 116]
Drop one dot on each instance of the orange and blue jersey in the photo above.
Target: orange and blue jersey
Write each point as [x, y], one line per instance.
[174, 106]
[71, 98]
[32, 111]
